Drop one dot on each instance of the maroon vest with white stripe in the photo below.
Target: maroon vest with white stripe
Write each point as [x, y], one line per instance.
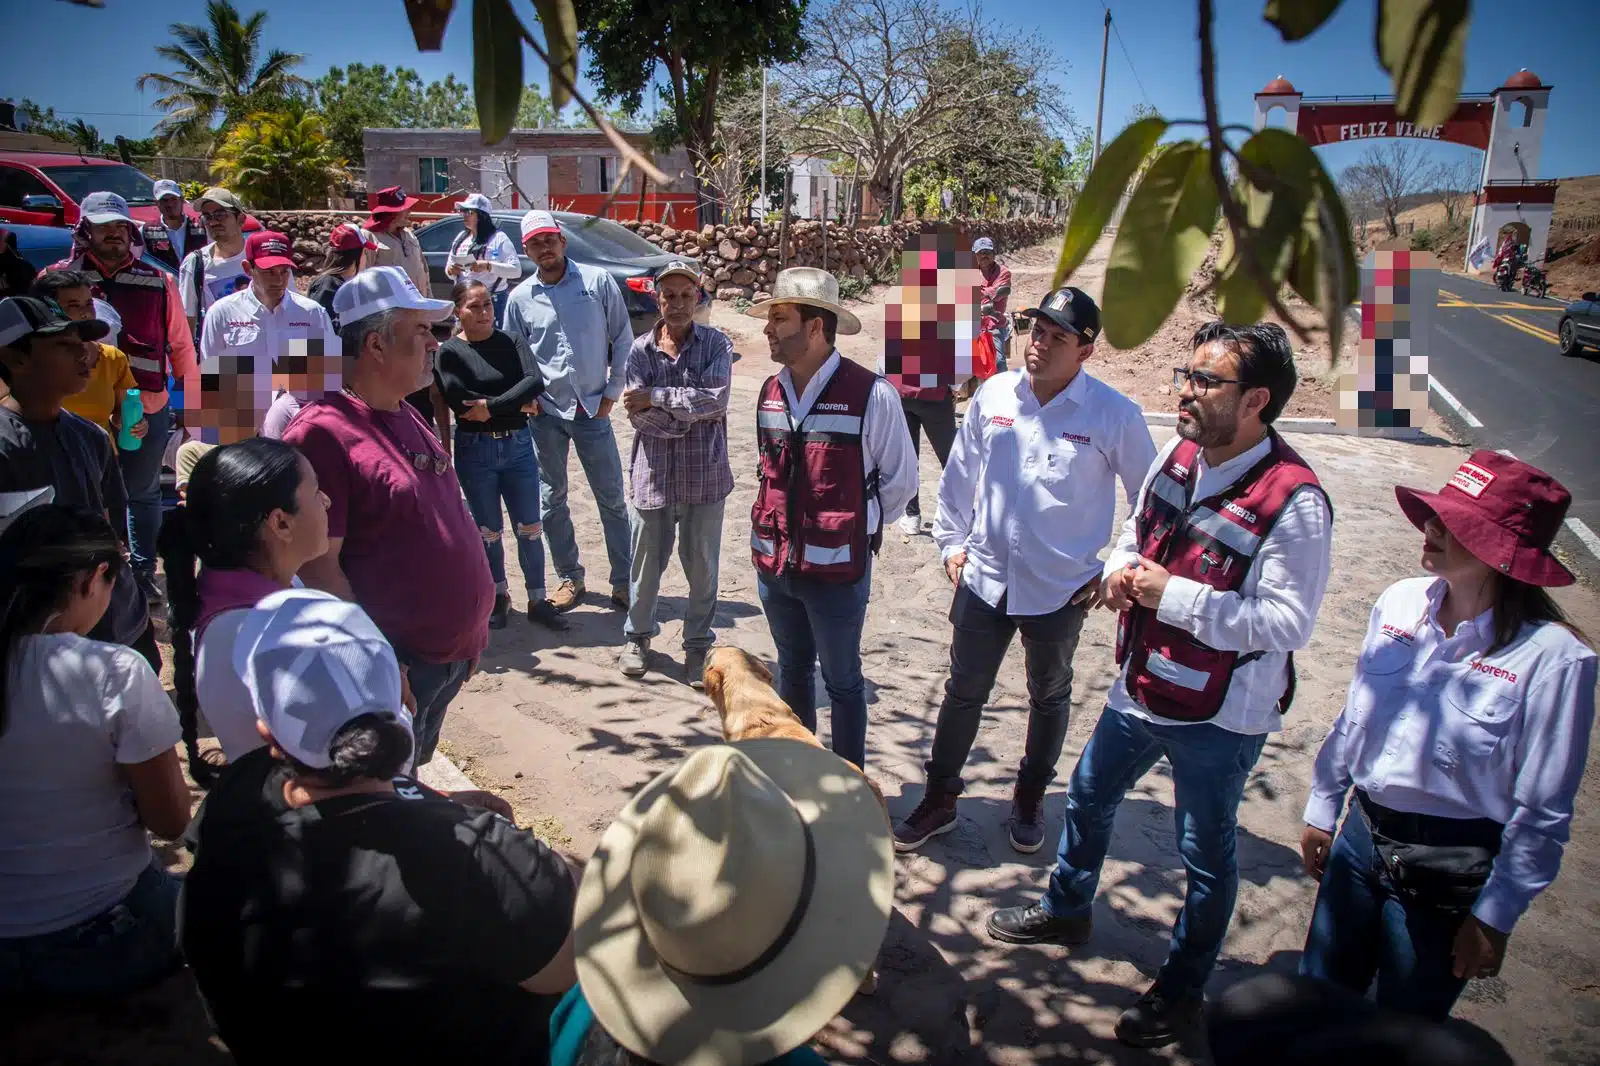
[138, 292]
[810, 514]
[1212, 541]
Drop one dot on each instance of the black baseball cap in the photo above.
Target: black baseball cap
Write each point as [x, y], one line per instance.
[26, 316]
[1071, 309]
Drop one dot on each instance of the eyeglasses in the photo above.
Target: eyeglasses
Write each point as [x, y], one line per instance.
[1199, 380]
[215, 216]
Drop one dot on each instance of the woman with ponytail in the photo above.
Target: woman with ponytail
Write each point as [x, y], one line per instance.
[253, 515]
[87, 766]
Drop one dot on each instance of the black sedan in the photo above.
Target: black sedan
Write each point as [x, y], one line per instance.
[600, 242]
[1580, 325]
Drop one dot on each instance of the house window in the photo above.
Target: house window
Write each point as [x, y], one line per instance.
[433, 175]
[608, 173]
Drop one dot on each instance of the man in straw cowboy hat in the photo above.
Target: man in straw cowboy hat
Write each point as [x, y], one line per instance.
[835, 458]
[730, 912]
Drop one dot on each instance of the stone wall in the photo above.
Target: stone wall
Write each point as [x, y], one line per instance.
[308, 232]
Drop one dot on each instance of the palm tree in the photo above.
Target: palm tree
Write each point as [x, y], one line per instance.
[85, 136]
[280, 159]
[220, 71]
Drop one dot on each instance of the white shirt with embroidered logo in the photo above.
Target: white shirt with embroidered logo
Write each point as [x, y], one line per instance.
[1029, 491]
[1433, 725]
[1273, 611]
[241, 325]
[885, 440]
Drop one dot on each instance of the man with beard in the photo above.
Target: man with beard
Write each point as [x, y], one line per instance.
[1218, 575]
[155, 337]
[176, 233]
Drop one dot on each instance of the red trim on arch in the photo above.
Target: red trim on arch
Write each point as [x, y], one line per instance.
[1533, 192]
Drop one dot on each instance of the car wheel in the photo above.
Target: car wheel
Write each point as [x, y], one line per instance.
[1568, 334]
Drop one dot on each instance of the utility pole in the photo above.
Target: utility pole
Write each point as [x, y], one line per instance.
[765, 206]
[1100, 105]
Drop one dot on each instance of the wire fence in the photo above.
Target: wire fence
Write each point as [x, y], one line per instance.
[1579, 222]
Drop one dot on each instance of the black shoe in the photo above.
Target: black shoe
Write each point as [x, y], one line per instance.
[502, 611]
[1159, 1018]
[544, 613]
[936, 814]
[1035, 925]
[1027, 818]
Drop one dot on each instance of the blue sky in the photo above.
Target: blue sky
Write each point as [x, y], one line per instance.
[115, 44]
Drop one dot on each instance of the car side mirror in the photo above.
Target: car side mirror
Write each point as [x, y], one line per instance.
[43, 202]
[1592, 297]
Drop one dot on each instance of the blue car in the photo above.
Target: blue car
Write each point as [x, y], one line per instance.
[43, 245]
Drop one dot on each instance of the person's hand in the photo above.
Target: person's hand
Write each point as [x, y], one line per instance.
[406, 696]
[481, 266]
[451, 270]
[479, 800]
[1149, 582]
[477, 411]
[1089, 594]
[1479, 950]
[1314, 846]
[140, 428]
[605, 408]
[1116, 590]
[953, 565]
[636, 400]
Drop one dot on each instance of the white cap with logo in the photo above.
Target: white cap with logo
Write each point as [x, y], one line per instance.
[539, 222]
[379, 289]
[475, 201]
[99, 208]
[164, 188]
[312, 664]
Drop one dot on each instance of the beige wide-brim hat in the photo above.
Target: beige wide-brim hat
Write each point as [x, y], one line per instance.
[813, 287]
[735, 905]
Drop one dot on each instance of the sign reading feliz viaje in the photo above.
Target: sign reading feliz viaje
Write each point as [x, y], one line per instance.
[1362, 130]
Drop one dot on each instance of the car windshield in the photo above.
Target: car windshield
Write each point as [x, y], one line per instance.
[125, 181]
[605, 239]
[439, 236]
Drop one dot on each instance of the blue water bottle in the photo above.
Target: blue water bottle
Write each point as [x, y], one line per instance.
[132, 411]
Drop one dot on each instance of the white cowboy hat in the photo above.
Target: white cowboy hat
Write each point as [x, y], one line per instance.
[735, 905]
[813, 287]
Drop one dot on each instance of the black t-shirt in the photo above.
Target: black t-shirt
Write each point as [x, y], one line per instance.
[500, 368]
[322, 291]
[74, 457]
[372, 927]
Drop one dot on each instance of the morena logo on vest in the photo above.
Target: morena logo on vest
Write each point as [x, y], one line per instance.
[1239, 512]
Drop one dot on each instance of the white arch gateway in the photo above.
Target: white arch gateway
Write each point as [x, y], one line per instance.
[1508, 124]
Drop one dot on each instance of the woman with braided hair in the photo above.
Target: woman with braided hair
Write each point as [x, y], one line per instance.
[252, 517]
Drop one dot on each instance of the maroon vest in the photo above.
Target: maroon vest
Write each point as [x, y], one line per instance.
[810, 514]
[1212, 541]
[139, 295]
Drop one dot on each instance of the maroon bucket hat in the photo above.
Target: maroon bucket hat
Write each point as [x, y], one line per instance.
[1502, 510]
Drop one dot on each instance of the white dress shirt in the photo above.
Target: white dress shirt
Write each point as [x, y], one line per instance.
[1433, 725]
[240, 325]
[1029, 491]
[885, 440]
[1273, 611]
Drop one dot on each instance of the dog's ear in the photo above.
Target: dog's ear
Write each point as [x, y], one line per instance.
[760, 669]
[713, 683]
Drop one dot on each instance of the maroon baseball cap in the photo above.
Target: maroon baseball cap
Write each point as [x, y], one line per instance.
[391, 201]
[265, 249]
[347, 238]
[1504, 511]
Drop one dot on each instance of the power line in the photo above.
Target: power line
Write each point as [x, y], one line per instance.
[1131, 69]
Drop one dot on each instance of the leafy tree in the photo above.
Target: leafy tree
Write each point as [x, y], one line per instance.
[280, 159]
[359, 97]
[698, 46]
[42, 120]
[220, 71]
[85, 136]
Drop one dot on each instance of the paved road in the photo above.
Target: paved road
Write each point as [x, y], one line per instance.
[1496, 355]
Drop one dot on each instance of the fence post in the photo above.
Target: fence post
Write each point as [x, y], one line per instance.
[824, 229]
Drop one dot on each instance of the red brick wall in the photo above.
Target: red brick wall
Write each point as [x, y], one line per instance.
[564, 175]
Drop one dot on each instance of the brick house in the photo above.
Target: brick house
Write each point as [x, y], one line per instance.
[560, 169]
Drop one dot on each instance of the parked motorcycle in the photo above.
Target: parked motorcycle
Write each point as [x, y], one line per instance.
[1504, 275]
[1534, 282]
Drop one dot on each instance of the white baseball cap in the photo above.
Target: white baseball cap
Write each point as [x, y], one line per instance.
[166, 187]
[983, 244]
[475, 201]
[379, 289]
[312, 664]
[539, 222]
[101, 207]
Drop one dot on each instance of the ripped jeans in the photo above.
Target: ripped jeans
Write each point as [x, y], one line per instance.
[496, 466]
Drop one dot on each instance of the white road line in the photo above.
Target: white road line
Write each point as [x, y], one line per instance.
[1582, 531]
[1454, 404]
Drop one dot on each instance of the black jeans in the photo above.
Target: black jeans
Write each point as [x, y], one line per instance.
[977, 648]
[936, 418]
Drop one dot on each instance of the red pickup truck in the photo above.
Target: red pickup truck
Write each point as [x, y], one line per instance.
[45, 188]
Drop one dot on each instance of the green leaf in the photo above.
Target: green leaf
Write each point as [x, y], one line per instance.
[1160, 242]
[1102, 190]
[1277, 182]
[1239, 299]
[496, 66]
[1298, 19]
[561, 42]
[1421, 43]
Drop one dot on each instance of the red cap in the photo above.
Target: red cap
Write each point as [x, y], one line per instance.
[347, 238]
[1502, 510]
[391, 201]
[265, 249]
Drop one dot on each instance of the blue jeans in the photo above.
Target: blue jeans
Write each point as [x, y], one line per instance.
[499, 300]
[602, 465]
[141, 476]
[491, 468]
[433, 686]
[130, 946]
[1209, 768]
[813, 619]
[1363, 930]
[698, 529]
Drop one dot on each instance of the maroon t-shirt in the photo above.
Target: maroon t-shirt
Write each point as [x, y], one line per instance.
[411, 549]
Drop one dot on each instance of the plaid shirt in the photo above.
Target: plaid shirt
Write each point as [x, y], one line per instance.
[680, 442]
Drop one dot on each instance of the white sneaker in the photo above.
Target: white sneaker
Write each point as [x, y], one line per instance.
[910, 525]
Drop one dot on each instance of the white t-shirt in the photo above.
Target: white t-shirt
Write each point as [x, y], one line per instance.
[499, 253]
[223, 277]
[220, 690]
[71, 844]
[179, 235]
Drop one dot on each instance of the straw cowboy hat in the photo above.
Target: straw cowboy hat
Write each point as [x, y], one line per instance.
[734, 906]
[810, 286]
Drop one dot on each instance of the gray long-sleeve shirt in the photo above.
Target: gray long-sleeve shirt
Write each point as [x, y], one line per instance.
[580, 334]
